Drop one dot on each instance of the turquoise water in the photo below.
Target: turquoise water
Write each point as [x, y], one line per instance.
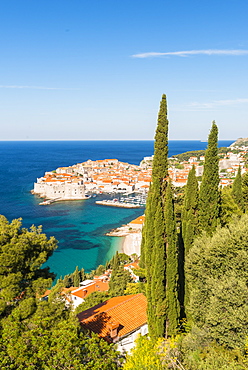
[79, 226]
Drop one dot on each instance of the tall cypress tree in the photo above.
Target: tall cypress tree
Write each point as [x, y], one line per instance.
[190, 211]
[237, 190]
[159, 245]
[158, 282]
[245, 190]
[153, 244]
[189, 222]
[160, 159]
[76, 277]
[173, 307]
[209, 196]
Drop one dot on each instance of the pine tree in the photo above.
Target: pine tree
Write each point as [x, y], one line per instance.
[173, 307]
[237, 190]
[209, 197]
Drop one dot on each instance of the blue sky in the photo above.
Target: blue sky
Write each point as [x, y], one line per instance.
[96, 69]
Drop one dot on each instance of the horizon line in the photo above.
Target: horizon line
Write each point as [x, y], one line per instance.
[31, 140]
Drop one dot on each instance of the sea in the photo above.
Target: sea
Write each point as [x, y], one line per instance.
[78, 226]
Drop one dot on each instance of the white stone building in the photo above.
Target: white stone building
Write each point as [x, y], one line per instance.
[58, 189]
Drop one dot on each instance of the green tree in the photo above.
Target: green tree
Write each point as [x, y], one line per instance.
[154, 230]
[50, 338]
[157, 306]
[76, 277]
[100, 270]
[217, 270]
[98, 354]
[22, 253]
[66, 281]
[36, 334]
[245, 190]
[190, 227]
[145, 355]
[237, 190]
[190, 211]
[173, 307]
[229, 207]
[209, 197]
[118, 282]
[160, 160]
[82, 274]
[92, 300]
[159, 244]
[119, 277]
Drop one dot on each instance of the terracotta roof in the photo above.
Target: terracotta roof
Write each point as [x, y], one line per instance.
[134, 265]
[95, 286]
[128, 311]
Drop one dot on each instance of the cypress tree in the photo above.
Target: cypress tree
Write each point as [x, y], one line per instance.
[245, 190]
[173, 307]
[153, 244]
[237, 190]
[82, 274]
[209, 196]
[160, 160]
[157, 303]
[189, 222]
[76, 278]
[159, 245]
[190, 211]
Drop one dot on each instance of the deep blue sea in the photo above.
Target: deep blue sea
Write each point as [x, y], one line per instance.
[79, 226]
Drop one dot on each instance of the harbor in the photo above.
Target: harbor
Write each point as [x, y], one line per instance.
[136, 201]
[116, 203]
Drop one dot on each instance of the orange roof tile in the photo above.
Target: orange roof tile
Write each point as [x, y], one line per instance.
[128, 311]
[134, 265]
[95, 286]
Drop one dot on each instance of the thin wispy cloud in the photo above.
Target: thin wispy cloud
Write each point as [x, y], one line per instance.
[209, 106]
[186, 53]
[219, 103]
[35, 87]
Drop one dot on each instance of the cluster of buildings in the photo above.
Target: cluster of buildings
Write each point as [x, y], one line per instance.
[228, 166]
[113, 176]
[118, 320]
[101, 176]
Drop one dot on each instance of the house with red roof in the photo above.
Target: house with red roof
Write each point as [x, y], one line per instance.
[119, 320]
[78, 295]
[130, 267]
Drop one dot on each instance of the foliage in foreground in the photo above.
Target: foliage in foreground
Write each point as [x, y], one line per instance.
[217, 270]
[191, 351]
[37, 334]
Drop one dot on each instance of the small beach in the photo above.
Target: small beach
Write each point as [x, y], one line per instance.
[130, 239]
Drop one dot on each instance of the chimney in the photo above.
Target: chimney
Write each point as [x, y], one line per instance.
[113, 330]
